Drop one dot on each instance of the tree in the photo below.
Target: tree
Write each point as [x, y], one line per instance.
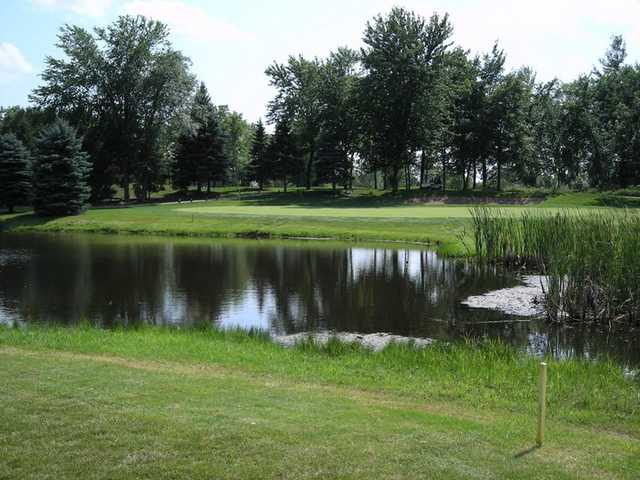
[401, 50]
[200, 150]
[15, 173]
[283, 155]
[238, 135]
[510, 139]
[123, 88]
[258, 168]
[61, 172]
[298, 103]
[339, 135]
[24, 123]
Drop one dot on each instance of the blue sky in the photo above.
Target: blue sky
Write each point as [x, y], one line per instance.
[232, 42]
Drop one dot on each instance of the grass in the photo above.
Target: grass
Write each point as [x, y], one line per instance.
[159, 403]
[591, 259]
[364, 216]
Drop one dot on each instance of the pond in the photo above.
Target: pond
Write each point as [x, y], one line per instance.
[282, 287]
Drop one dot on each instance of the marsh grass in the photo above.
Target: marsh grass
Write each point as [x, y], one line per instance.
[591, 258]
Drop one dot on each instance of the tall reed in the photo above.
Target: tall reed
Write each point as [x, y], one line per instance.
[591, 258]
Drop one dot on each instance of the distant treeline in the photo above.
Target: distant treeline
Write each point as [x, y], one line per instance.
[407, 109]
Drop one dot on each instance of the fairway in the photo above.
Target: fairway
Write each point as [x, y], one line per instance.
[84, 403]
[405, 211]
[427, 211]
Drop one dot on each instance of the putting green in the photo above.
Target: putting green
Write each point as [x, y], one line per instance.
[399, 212]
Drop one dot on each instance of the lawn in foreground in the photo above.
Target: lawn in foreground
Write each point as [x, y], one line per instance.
[166, 404]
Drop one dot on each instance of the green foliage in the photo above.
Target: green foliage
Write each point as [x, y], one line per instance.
[283, 155]
[123, 87]
[15, 173]
[590, 258]
[61, 172]
[24, 123]
[258, 169]
[402, 51]
[199, 153]
[238, 136]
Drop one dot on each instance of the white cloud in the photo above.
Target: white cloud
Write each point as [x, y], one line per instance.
[187, 20]
[86, 8]
[12, 62]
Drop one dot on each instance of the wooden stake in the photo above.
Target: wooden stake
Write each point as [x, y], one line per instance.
[542, 402]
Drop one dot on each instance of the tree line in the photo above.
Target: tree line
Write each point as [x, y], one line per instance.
[411, 109]
[408, 109]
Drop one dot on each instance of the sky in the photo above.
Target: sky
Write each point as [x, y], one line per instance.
[231, 42]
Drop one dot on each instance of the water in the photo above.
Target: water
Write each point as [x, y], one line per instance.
[281, 287]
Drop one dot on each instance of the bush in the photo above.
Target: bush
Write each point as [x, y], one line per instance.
[62, 170]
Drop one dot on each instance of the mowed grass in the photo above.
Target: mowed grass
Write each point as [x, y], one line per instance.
[299, 214]
[156, 403]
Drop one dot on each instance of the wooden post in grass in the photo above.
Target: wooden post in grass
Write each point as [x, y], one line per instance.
[542, 402]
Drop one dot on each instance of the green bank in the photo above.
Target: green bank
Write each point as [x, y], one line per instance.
[157, 403]
[443, 223]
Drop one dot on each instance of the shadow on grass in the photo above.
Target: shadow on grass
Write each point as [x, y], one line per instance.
[327, 198]
[526, 452]
[21, 220]
[618, 201]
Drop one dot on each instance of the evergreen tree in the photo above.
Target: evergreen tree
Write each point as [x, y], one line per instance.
[200, 156]
[283, 154]
[258, 169]
[15, 173]
[184, 165]
[61, 172]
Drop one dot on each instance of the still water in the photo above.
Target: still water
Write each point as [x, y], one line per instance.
[281, 287]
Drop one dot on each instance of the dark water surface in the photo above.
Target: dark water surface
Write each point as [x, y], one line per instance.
[281, 287]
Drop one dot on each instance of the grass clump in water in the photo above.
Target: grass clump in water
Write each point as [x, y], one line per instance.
[590, 258]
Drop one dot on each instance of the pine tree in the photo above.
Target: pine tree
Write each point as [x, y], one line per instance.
[61, 172]
[184, 168]
[283, 154]
[200, 156]
[15, 173]
[258, 165]
[210, 152]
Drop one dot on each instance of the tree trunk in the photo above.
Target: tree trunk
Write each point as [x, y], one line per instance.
[499, 175]
[474, 174]
[394, 179]
[407, 178]
[11, 209]
[444, 172]
[312, 153]
[484, 173]
[422, 164]
[284, 184]
[375, 179]
[125, 185]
